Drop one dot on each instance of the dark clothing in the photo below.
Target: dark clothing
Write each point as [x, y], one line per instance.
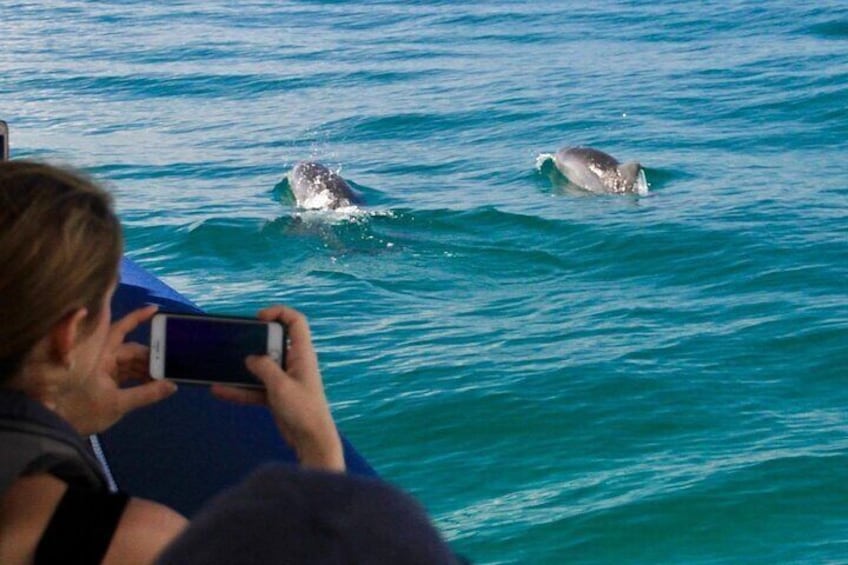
[81, 528]
[34, 440]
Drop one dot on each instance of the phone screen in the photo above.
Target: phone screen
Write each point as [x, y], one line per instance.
[213, 350]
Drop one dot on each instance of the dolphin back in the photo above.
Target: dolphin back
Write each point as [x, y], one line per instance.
[596, 171]
[587, 168]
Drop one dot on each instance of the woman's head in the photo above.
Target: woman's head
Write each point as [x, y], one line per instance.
[60, 246]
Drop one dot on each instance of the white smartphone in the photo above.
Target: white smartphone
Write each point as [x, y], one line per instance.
[211, 349]
[4, 141]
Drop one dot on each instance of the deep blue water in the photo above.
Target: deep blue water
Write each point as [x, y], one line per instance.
[557, 377]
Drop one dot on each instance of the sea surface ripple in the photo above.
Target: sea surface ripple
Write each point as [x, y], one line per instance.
[557, 377]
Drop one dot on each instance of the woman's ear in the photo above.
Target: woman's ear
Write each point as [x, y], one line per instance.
[64, 335]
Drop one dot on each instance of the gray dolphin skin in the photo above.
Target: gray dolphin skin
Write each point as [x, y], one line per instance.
[596, 171]
[314, 186]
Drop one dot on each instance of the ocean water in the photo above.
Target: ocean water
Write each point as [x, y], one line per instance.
[558, 377]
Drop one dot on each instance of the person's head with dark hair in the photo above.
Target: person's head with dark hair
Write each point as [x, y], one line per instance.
[60, 246]
[282, 514]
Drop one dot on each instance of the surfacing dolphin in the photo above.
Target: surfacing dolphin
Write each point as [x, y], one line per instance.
[316, 187]
[596, 171]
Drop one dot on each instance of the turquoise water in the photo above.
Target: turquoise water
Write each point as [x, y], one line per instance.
[557, 377]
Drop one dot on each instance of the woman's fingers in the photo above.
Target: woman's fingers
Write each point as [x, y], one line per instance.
[295, 322]
[133, 361]
[128, 323]
[266, 370]
[132, 398]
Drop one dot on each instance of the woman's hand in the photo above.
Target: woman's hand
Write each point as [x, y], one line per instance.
[106, 400]
[294, 395]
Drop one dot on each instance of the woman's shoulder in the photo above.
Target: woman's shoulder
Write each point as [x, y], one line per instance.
[142, 529]
[25, 510]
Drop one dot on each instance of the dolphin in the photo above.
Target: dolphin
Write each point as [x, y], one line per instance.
[314, 186]
[596, 171]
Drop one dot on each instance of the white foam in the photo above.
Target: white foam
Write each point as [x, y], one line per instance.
[641, 184]
[542, 159]
[343, 214]
[320, 200]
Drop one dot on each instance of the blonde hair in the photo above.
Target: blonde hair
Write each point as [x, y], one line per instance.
[60, 246]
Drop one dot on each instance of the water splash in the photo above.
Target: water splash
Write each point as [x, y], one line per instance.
[544, 162]
[641, 185]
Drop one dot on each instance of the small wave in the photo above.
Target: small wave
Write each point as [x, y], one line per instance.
[830, 30]
[282, 191]
[544, 162]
